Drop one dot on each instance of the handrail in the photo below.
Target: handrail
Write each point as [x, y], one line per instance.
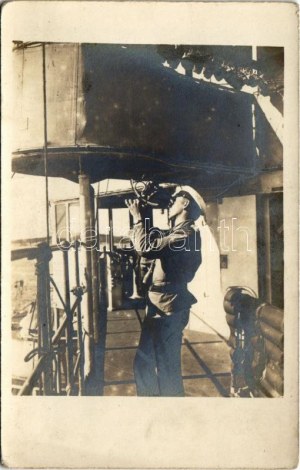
[46, 339]
[46, 349]
[29, 252]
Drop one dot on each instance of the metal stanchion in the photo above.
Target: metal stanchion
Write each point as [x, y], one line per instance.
[44, 256]
[80, 347]
[69, 327]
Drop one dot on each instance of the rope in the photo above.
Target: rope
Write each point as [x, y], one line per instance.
[45, 141]
[236, 181]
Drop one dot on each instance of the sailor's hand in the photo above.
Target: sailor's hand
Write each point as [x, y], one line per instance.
[133, 206]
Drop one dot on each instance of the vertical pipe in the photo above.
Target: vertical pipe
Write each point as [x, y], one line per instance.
[95, 289]
[43, 311]
[109, 264]
[254, 52]
[95, 277]
[69, 329]
[86, 304]
[111, 230]
[103, 293]
[79, 327]
[100, 347]
[58, 375]
[97, 219]
[58, 360]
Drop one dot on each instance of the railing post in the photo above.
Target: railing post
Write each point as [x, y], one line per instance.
[94, 272]
[80, 347]
[86, 217]
[43, 257]
[69, 328]
[100, 345]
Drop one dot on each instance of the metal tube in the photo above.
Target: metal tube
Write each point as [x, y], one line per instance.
[58, 376]
[95, 276]
[79, 328]
[60, 330]
[77, 364]
[43, 311]
[87, 305]
[69, 325]
[111, 230]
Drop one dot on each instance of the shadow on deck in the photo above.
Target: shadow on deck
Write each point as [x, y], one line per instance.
[205, 358]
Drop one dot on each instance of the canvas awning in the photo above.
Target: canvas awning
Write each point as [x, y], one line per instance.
[116, 112]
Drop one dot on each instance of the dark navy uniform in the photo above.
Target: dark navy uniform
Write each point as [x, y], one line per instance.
[157, 365]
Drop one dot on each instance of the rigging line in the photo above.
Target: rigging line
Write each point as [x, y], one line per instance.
[239, 180]
[47, 296]
[236, 181]
[45, 141]
[76, 92]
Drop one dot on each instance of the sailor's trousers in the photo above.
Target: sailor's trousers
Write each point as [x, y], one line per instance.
[157, 364]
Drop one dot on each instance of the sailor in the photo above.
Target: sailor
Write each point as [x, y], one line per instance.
[176, 256]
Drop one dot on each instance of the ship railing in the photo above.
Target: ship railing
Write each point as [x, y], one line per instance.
[60, 352]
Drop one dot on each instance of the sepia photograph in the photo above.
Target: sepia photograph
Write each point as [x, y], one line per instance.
[149, 235]
[155, 265]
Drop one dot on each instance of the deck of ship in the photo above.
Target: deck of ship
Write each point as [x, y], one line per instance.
[206, 362]
[205, 358]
